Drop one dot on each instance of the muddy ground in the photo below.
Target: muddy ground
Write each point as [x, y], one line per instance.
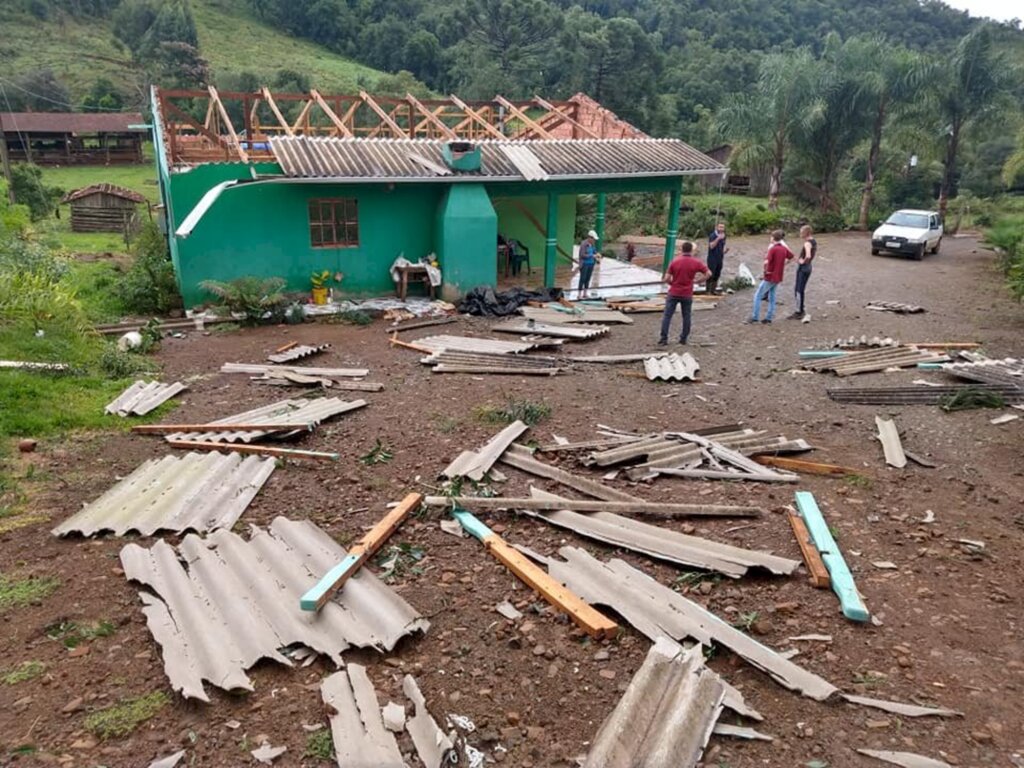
[949, 617]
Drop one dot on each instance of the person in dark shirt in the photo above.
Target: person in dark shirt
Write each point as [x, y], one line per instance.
[588, 257]
[716, 257]
[774, 269]
[681, 274]
[808, 251]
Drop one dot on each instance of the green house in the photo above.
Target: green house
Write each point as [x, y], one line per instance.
[298, 204]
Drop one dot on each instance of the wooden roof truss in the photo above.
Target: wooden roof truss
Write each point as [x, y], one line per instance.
[202, 126]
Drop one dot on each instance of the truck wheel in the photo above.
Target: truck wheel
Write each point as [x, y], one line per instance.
[918, 253]
[937, 244]
[874, 251]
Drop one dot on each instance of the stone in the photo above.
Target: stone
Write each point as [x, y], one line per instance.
[86, 742]
[761, 627]
[73, 706]
[607, 674]
[81, 650]
[512, 717]
[28, 445]
[882, 723]
[601, 655]
[539, 650]
[394, 717]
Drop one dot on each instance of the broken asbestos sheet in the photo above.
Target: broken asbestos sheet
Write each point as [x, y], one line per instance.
[142, 397]
[199, 492]
[662, 543]
[221, 604]
[665, 717]
[656, 611]
[904, 759]
[360, 738]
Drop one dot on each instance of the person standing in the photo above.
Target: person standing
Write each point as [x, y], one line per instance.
[716, 256]
[808, 251]
[774, 268]
[588, 257]
[681, 274]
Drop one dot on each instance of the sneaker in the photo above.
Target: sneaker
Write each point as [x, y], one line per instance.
[682, 342]
[766, 321]
[750, 321]
[662, 342]
[796, 315]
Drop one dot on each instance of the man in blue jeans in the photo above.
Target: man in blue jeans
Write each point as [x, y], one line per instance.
[774, 268]
[681, 274]
[588, 258]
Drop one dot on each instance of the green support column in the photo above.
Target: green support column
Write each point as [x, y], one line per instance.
[599, 223]
[673, 226]
[551, 241]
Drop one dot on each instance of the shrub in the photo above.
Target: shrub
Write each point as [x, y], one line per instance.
[514, 409]
[116, 364]
[121, 719]
[257, 299]
[30, 190]
[752, 221]
[828, 221]
[149, 286]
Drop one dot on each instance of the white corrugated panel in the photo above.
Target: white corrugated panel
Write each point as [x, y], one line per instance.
[237, 602]
[672, 367]
[309, 412]
[525, 162]
[142, 397]
[198, 491]
[469, 344]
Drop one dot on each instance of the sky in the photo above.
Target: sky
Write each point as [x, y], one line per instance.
[1001, 10]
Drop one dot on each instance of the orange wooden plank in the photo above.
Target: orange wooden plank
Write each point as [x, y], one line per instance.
[806, 467]
[812, 557]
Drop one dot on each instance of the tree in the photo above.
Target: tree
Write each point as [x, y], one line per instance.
[762, 125]
[969, 87]
[37, 90]
[1013, 168]
[29, 189]
[103, 97]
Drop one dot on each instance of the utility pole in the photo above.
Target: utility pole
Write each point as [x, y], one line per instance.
[6, 162]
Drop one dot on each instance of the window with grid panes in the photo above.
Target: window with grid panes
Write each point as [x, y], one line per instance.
[334, 222]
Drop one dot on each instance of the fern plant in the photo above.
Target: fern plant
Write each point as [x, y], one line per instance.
[257, 299]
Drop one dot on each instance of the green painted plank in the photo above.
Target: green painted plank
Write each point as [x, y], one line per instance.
[842, 580]
[815, 354]
[931, 366]
[309, 601]
[471, 524]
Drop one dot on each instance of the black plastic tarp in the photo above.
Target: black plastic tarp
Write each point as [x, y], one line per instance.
[484, 300]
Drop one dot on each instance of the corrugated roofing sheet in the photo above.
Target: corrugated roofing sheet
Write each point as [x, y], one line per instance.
[198, 491]
[360, 738]
[297, 353]
[1008, 371]
[222, 603]
[310, 412]
[567, 331]
[470, 344]
[72, 122]
[106, 189]
[672, 367]
[665, 717]
[656, 611]
[142, 397]
[325, 157]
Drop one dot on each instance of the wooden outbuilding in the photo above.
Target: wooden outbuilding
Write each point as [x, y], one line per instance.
[103, 208]
[74, 138]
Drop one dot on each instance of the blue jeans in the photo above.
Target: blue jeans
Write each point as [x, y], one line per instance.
[586, 270]
[762, 289]
[671, 302]
[803, 274]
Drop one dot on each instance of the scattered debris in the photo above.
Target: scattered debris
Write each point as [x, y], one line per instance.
[445, 361]
[665, 717]
[359, 735]
[954, 397]
[895, 306]
[655, 611]
[263, 369]
[885, 565]
[531, 327]
[617, 358]
[267, 754]
[168, 762]
[907, 710]
[811, 638]
[28, 366]
[904, 759]
[432, 745]
[873, 360]
[725, 463]
[411, 326]
[297, 352]
[1008, 371]
[929, 517]
[263, 450]
[238, 603]
[1006, 418]
[393, 716]
[919, 460]
[508, 610]
[639, 507]
[289, 378]
[804, 467]
[812, 557]
[452, 527]
[589, 619]
[309, 413]
[558, 314]
[474, 465]
[839, 574]
[673, 367]
[486, 346]
[199, 491]
[739, 732]
[332, 582]
[521, 457]
[889, 437]
[142, 397]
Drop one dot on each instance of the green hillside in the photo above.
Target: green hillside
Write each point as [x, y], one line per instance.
[82, 49]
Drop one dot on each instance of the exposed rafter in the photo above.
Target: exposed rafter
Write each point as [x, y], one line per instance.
[562, 115]
[226, 119]
[523, 117]
[267, 97]
[337, 121]
[431, 119]
[474, 116]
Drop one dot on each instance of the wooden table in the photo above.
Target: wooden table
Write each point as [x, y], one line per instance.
[419, 272]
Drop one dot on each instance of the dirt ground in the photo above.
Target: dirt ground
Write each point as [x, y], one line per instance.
[949, 617]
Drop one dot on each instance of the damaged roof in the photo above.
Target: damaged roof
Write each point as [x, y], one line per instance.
[309, 412]
[219, 605]
[328, 157]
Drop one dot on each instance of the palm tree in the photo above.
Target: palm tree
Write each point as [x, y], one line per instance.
[761, 127]
[1014, 166]
[969, 87]
[889, 85]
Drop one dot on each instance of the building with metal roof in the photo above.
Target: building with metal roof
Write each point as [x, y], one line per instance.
[67, 138]
[293, 184]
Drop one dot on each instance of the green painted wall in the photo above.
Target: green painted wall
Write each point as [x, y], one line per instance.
[514, 220]
[466, 239]
[263, 230]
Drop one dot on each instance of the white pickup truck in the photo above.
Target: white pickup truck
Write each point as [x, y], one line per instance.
[909, 232]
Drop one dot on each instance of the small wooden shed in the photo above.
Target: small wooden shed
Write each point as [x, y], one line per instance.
[103, 208]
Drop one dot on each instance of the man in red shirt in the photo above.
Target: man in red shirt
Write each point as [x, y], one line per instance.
[774, 267]
[681, 274]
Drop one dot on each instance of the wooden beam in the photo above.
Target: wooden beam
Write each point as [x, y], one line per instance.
[332, 581]
[564, 116]
[227, 124]
[588, 618]
[267, 97]
[474, 115]
[580, 505]
[522, 116]
[816, 569]
[429, 117]
[303, 118]
[181, 114]
[839, 573]
[382, 114]
[395, 342]
[337, 121]
[805, 467]
[285, 453]
[161, 429]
